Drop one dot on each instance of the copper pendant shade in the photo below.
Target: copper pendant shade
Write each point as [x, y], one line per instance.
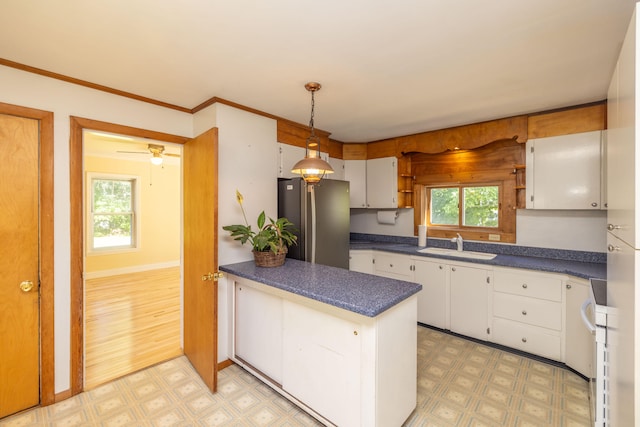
[312, 168]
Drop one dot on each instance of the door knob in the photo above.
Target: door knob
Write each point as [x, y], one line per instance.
[26, 286]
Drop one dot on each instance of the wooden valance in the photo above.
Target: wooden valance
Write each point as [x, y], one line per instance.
[465, 137]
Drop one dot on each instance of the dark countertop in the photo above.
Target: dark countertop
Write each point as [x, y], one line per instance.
[357, 292]
[585, 270]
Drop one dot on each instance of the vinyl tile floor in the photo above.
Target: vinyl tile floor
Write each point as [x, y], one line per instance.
[460, 383]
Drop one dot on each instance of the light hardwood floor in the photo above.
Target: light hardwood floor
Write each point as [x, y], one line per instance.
[132, 321]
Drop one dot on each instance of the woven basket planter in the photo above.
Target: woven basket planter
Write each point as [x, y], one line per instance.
[269, 258]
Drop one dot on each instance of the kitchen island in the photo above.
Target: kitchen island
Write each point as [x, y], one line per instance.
[340, 344]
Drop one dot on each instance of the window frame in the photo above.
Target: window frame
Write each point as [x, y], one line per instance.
[448, 229]
[135, 213]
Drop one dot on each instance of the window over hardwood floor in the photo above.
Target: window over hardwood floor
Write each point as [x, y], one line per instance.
[112, 213]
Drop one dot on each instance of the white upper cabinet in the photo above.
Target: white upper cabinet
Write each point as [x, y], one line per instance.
[564, 172]
[338, 167]
[382, 182]
[289, 155]
[355, 171]
[373, 183]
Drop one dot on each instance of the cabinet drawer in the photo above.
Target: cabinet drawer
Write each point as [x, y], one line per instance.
[531, 339]
[527, 284]
[397, 266]
[532, 311]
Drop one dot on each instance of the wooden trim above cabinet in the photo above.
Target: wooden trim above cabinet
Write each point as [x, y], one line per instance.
[465, 137]
[567, 121]
[295, 134]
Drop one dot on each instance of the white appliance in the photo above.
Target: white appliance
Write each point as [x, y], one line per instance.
[594, 316]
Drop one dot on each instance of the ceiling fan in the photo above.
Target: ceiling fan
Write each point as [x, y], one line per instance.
[156, 151]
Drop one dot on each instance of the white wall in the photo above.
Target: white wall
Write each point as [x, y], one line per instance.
[573, 230]
[248, 162]
[366, 221]
[570, 230]
[64, 100]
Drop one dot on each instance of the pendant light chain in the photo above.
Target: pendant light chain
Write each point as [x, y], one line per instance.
[312, 168]
[313, 105]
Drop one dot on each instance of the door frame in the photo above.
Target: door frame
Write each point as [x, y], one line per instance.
[46, 245]
[76, 229]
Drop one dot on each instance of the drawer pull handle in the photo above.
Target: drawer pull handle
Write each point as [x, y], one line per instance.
[524, 286]
[524, 312]
[524, 339]
[391, 265]
[453, 269]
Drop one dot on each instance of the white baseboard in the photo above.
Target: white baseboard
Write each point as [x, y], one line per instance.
[128, 270]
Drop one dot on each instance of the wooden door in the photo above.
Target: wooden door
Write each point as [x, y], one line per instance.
[200, 195]
[19, 256]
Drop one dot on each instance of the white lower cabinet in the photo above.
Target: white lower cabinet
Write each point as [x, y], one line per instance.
[531, 311]
[469, 301]
[433, 307]
[579, 343]
[527, 312]
[323, 367]
[394, 266]
[343, 367]
[258, 330]
[361, 261]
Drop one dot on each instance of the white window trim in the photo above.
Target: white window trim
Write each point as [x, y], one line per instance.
[90, 250]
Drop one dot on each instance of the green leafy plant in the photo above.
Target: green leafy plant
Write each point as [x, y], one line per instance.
[273, 236]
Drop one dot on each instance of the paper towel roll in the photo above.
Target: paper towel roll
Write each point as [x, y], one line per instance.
[387, 217]
[422, 235]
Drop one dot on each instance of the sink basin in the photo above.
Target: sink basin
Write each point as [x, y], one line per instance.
[458, 254]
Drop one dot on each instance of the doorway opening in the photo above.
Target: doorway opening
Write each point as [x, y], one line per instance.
[132, 254]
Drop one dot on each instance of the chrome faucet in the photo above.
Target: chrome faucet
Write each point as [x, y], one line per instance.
[458, 240]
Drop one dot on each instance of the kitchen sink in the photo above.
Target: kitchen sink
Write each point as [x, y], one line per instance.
[459, 254]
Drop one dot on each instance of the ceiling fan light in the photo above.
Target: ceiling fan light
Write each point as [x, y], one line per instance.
[156, 159]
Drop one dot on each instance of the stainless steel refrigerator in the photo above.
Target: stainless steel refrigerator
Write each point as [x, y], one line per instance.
[324, 207]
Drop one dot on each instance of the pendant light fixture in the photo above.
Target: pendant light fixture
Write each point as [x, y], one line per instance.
[312, 167]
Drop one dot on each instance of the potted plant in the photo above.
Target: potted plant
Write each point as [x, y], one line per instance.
[271, 240]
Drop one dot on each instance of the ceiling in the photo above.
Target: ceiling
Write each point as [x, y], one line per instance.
[124, 147]
[387, 67]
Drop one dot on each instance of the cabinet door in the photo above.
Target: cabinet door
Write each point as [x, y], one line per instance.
[394, 266]
[361, 261]
[432, 299]
[288, 155]
[579, 343]
[338, 168]
[563, 172]
[258, 330]
[355, 171]
[470, 301]
[322, 369]
[382, 183]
